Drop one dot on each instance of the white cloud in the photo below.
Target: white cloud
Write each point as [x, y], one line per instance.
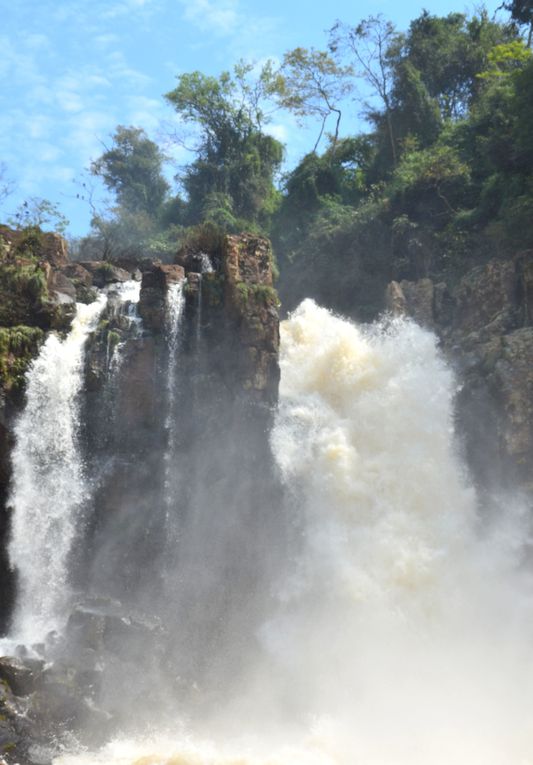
[145, 112]
[104, 40]
[225, 18]
[218, 16]
[39, 126]
[278, 131]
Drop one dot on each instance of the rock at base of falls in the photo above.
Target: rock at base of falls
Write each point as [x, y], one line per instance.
[67, 685]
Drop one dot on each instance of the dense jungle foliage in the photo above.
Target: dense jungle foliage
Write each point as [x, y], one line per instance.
[439, 180]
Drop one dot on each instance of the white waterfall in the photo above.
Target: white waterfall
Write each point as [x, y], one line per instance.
[126, 296]
[173, 320]
[403, 634]
[48, 490]
[206, 268]
[206, 264]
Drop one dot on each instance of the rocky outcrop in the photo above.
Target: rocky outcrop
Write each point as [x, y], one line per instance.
[230, 292]
[156, 280]
[239, 314]
[485, 323]
[252, 304]
[103, 273]
[177, 444]
[173, 426]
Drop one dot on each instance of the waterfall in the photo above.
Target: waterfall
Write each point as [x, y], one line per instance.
[403, 631]
[123, 299]
[48, 490]
[174, 314]
[206, 267]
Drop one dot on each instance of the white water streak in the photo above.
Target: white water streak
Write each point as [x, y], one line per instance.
[48, 489]
[173, 321]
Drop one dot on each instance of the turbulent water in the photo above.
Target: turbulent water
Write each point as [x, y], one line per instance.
[403, 633]
[49, 489]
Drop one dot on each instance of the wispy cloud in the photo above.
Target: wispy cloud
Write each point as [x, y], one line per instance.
[228, 19]
[218, 16]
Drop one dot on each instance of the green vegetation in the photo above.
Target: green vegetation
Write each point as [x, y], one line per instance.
[35, 214]
[23, 291]
[213, 289]
[440, 179]
[443, 181]
[18, 346]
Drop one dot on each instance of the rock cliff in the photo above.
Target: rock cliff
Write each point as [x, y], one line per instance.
[173, 422]
[485, 323]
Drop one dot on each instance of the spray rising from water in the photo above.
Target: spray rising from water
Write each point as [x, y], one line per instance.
[49, 489]
[403, 634]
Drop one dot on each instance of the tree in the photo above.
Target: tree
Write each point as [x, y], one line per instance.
[449, 52]
[371, 44]
[313, 85]
[235, 159]
[133, 169]
[6, 185]
[36, 212]
[522, 12]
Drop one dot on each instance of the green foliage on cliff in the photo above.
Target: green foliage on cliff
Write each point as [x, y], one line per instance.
[442, 181]
[18, 346]
[22, 291]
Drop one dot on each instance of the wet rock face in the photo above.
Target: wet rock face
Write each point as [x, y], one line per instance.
[238, 306]
[39, 288]
[486, 327]
[71, 683]
[252, 304]
[156, 280]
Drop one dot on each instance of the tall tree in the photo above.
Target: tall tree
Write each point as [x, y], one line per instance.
[313, 84]
[133, 169]
[370, 45]
[235, 158]
[522, 13]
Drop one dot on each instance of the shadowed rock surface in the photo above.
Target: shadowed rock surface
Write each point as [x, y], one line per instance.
[485, 323]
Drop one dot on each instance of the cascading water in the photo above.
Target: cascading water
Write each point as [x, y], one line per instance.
[173, 321]
[403, 634]
[206, 268]
[125, 296]
[49, 489]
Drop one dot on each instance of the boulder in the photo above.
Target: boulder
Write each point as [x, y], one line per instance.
[103, 273]
[22, 677]
[54, 249]
[415, 299]
[62, 289]
[78, 274]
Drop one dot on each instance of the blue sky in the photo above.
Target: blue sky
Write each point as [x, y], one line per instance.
[71, 70]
